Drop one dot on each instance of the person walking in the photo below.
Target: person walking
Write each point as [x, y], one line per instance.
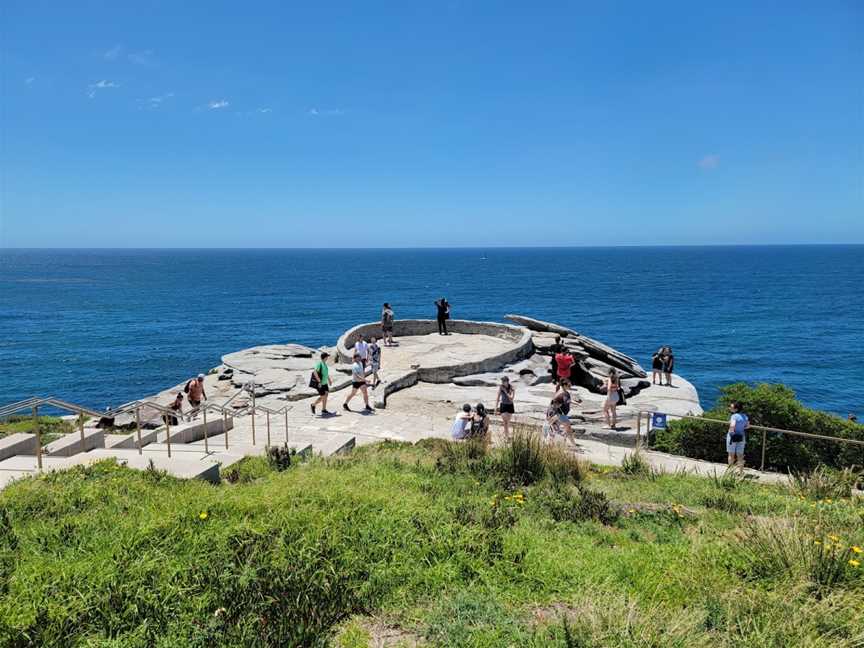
[176, 411]
[358, 383]
[195, 390]
[321, 381]
[657, 366]
[387, 319]
[561, 402]
[375, 361]
[361, 348]
[443, 314]
[613, 384]
[736, 439]
[668, 365]
[504, 404]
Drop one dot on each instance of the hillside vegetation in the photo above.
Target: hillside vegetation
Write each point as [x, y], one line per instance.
[431, 544]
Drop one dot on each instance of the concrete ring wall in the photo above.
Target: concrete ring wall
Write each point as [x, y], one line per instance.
[521, 338]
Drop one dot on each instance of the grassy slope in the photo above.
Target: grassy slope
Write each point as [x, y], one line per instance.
[106, 556]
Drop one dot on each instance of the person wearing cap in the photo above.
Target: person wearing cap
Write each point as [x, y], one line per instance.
[195, 390]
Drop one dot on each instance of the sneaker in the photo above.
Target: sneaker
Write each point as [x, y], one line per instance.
[345, 407]
[326, 413]
[312, 407]
[368, 409]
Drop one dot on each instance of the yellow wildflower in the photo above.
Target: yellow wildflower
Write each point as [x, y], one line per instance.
[828, 501]
[203, 515]
[816, 542]
[833, 538]
[854, 563]
[855, 549]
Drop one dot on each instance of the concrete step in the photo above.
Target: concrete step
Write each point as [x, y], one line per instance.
[20, 443]
[186, 467]
[189, 432]
[71, 444]
[129, 441]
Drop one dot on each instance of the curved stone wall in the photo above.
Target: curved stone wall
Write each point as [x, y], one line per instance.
[521, 348]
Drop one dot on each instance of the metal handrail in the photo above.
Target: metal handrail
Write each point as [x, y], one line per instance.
[764, 428]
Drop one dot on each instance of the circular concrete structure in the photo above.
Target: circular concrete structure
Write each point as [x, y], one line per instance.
[471, 347]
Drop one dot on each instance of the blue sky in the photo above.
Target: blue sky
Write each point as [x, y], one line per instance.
[225, 124]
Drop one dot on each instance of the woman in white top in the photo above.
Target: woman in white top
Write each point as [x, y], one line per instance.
[613, 384]
[462, 423]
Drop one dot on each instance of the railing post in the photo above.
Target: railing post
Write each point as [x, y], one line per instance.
[764, 439]
[206, 447]
[81, 428]
[253, 418]
[638, 429]
[286, 426]
[138, 429]
[38, 433]
[268, 429]
[167, 417]
[225, 427]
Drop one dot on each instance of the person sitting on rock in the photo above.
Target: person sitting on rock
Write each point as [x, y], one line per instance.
[479, 422]
[461, 424]
[358, 383]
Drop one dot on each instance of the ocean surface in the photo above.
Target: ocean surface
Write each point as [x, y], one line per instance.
[102, 327]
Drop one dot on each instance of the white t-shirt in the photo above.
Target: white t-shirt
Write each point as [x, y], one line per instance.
[362, 348]
[460, 425]
[358, 374]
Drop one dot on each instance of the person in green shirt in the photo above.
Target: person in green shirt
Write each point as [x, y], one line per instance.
[321, 381]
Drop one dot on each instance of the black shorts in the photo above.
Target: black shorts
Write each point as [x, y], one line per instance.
[358, 384]
[387, 328]
[323, 389]
[507, 408]
[194, 403]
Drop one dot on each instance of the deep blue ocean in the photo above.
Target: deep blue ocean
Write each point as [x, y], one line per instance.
[102, 327]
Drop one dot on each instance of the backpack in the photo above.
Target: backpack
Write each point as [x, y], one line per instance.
[186, 388]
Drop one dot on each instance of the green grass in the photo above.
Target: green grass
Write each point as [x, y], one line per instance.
[436, 544]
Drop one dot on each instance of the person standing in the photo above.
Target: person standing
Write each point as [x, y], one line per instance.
[361, 348]
[358, 383]
[613, 384]
[739, 422]
[668, 365]
[563, 362]
[177, 410]
[195, 390]
[375, 361]
[321, 381]
[556, 349]
[657, 366]
[504, 404]
[443, 314]
[561, 403]
[387, 319]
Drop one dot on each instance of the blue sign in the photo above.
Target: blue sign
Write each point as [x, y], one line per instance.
[658, 421]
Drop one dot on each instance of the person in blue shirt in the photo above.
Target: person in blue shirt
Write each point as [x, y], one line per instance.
[736, 435]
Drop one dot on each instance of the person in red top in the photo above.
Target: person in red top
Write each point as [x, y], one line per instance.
[563, 362]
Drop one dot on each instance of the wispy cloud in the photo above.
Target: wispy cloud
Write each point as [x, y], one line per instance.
[709, 162]
[113, 53]
[142, 57]
[264, 110]
[324, 112]
[156, 102]
[216, 104]
[93, 88]
[30, 80]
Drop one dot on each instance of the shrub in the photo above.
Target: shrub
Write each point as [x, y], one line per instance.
[771, 406]
[731, 479]
[522, 461]
[824, 482]
[784, 547]
[470, 456]
[578, 504]
[279, 457]
[562, 465]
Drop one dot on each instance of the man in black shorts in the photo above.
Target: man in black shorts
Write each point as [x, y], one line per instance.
[358, 383]
[321, 381]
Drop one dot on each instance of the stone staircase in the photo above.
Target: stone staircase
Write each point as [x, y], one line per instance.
[188, 450]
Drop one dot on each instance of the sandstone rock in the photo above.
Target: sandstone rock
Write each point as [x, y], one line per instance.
[539, 325]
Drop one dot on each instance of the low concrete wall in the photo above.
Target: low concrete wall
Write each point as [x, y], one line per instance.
[189, 432]
[20, 443]
[407, 379]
